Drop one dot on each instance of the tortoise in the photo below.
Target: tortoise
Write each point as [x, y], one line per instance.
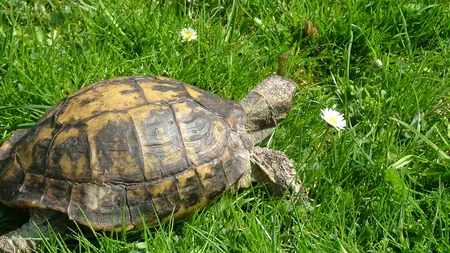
[132, 150]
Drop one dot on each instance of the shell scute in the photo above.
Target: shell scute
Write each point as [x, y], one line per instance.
[32, 190]
[114, 149]
[165, 197]
[162, 148]
[141, 206]
[100, 99]
[213, 179]
[103, 206]
[157, 91]
[227, 109]
[31, 150]
[190, 188]
[204, 135]
[56, 194]
[68, 157]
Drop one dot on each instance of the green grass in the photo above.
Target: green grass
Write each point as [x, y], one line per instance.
[381, 185]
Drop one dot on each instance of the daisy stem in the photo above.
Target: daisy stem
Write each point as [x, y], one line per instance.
[317, 147]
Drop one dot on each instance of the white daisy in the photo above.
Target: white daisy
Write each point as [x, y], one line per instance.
[258, 21]
[188, 34]
[378, 63]
[334, 118]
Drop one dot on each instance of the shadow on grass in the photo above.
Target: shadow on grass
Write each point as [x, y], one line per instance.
[12, 218]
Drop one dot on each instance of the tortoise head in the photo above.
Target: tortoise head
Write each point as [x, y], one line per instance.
[268, 104]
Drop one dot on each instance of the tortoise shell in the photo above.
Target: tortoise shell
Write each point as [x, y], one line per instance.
[129, 149]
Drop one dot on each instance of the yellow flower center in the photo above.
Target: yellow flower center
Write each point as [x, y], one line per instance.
[188, 35]
[333, 120]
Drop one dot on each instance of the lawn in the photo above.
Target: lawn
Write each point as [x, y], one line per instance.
[379, 185]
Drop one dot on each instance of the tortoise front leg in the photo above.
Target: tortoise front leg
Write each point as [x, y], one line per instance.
[275, 168]
[27, 237]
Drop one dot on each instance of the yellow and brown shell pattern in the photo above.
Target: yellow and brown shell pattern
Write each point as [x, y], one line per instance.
[126, 148]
